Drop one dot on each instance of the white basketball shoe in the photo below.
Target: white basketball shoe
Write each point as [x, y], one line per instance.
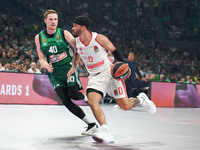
[146, 103]
[103, 136]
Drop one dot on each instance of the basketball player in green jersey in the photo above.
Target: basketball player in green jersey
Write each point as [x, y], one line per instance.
[53, 50]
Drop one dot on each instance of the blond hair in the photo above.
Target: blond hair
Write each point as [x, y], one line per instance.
[49, 11]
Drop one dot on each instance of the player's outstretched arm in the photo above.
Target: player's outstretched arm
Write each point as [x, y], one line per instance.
[69, 38]
[42, 58]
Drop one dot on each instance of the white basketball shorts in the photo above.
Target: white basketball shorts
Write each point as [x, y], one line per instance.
[105, 83]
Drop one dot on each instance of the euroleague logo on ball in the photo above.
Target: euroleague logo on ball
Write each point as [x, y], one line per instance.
[120, 71]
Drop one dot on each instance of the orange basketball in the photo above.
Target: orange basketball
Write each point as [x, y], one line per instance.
[120, 71]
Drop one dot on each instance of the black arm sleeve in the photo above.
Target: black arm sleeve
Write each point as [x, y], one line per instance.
[118, 56]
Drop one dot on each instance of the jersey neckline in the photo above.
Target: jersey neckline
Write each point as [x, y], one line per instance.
[88, 42]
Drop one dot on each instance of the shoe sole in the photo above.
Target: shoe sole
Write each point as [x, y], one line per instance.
[154, 106]
[101, 140]
[92, 130]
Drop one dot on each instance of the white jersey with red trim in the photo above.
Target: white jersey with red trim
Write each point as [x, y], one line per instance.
[93, 55]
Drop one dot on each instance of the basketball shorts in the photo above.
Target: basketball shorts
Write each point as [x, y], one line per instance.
[59, 77]
[105, 83]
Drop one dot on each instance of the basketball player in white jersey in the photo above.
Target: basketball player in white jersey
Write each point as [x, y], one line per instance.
[93, 49]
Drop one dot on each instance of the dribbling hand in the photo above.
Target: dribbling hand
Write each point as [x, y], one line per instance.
[70, 72]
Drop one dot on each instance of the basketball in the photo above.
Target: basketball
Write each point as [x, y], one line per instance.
[120, 71]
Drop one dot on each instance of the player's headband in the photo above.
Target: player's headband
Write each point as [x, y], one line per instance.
[83, 21]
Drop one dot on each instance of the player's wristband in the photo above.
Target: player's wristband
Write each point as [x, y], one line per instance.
[118, 56]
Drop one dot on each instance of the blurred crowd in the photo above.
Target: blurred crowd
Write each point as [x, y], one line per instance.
[127, 24]
[180, 19]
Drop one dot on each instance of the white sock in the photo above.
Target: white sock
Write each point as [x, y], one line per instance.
[141, 100]
[87, 120]
[85, 98]
[104, 127]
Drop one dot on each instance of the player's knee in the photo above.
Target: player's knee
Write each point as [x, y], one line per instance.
[92, 103]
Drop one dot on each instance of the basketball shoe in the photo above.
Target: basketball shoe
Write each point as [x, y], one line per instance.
[92, 128]
[146, 103]
[103, 136]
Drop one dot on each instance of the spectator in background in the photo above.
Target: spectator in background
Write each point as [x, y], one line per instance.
[4, 59]
[13, 66]
[43, 70]
[19, 68]
[172, 79]
[175, 78]
[131, 81]
[198, 81]
[145, 84]
[1, 66]
[141, 71]
[29, 55]
[146, 70]
[24, 68]
[182, 80]
[179, 76]
[33, 68]
[15, 54]
[10, 53]
[7, 47]
[20, 60]
[191, 80]
[196, 77]
[1, 51]
[162, 78]
[154, 77]
[187, 79]
[7, 67]
[27, 63]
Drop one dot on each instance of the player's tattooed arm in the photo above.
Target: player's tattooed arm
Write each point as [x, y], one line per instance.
[136, 102]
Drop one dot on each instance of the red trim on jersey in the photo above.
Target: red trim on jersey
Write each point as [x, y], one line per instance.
[89, 41]
[97, 41]
[96, 65]
[76, 50]
[124, 87]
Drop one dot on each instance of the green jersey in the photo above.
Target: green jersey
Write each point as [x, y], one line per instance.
[57, 51]
[55, 47]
